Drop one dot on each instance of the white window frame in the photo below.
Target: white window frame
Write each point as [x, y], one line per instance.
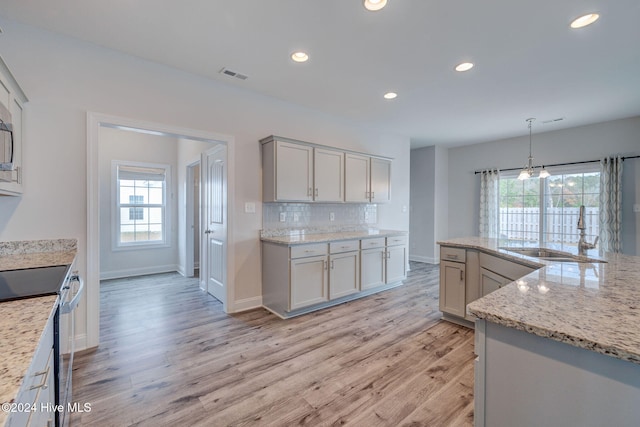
[116, 211]
[556, 170]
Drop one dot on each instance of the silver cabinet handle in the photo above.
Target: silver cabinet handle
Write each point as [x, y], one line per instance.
[452, 256]
[309, 191]
[325, 264]
[43, 384]
[332, 264]
[316, 192]
[373, 195]
[461, 278]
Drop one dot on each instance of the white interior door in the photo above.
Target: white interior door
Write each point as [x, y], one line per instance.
[214, 225]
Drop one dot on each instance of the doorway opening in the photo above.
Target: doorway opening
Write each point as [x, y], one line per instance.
[188, 195]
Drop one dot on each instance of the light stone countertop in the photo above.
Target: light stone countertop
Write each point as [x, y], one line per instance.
[591, 305]
[22, 322]
[300, 238]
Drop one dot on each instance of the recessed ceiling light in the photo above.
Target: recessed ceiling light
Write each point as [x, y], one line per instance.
[300, 56]
[584, 20]
[374, 5]
[390, 95]
[465, 66]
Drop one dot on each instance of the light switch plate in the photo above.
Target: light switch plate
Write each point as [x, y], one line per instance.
[283, 216]
[636, 208]
[249, 207]
[332, 216]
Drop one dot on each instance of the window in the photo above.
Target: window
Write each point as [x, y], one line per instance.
[141, 204]
[545, 211]
[136, 213]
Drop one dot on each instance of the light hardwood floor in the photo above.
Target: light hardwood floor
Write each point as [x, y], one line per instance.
[169, 356]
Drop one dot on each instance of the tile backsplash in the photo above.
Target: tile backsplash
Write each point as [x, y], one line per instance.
[318, 216]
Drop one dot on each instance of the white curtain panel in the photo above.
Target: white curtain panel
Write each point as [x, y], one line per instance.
[489, 202]
[611, 204]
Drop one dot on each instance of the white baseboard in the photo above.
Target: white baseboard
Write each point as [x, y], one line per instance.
[425, 259]
[80, 342]
[131, 272]
[246, 304]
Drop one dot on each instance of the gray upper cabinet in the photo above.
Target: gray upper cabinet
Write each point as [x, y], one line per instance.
[380, 180]
[328, 175]
[367, 179]
[287, 172]
[357, 178]
[12, 100]
[294, 171]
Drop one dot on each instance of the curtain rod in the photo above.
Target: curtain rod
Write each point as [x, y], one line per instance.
[562, 164]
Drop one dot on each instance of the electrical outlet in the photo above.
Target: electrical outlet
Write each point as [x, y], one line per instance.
[404, 209]
[283, 216]
[296, 217]
[332, 216]
[636, 208]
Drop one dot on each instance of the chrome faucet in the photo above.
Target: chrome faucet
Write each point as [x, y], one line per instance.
[583, 245]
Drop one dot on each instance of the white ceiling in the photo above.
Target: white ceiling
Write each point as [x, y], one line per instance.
[529, 63]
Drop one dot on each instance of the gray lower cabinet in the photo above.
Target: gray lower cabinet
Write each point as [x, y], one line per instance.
[37, 391]
[373, 263]
[396, 263]
[304, 277]
[344, 274]
[452, 288]
[309, 281]
[490, 281]
[467, 274]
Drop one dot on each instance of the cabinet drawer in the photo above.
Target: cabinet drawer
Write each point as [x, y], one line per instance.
[397, 240]
[378, 242]
[302, 251]
[346, 246]
[452, 254]
[508, 269]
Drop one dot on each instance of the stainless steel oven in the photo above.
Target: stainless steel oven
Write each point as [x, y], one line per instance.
[70, 295]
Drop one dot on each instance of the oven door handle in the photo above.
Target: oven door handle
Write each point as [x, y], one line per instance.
[71, 305]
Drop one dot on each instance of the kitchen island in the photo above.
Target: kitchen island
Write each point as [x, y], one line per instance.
[23, 322]
[559, 346]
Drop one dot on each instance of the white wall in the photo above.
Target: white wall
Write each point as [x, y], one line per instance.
[64, 78]
[590, 142]
[429, 203]
[188, 153]
[116, 144]
[421, 230]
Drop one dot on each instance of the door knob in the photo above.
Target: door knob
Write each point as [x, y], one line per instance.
[208, 231]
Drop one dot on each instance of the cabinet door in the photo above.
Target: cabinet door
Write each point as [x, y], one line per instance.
[452, 288]
[328, 177]
[357, 184]
[490, 281]
[344, 274]
[396, 263]
[380, 180]
[294, 172]
[309, 281]
[372, 268]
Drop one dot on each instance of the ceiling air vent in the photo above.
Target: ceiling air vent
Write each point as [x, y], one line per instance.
[230, 73]
[559, 119]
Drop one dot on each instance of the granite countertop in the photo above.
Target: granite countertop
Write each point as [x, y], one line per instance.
[22, 322]
[301, 237]
[591, 305]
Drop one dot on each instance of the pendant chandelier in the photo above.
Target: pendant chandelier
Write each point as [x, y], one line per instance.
[528, 169]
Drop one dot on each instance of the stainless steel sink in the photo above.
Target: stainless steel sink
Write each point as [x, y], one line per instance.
[548, 254]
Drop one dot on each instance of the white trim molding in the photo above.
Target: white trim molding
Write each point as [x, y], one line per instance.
[94, 122]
